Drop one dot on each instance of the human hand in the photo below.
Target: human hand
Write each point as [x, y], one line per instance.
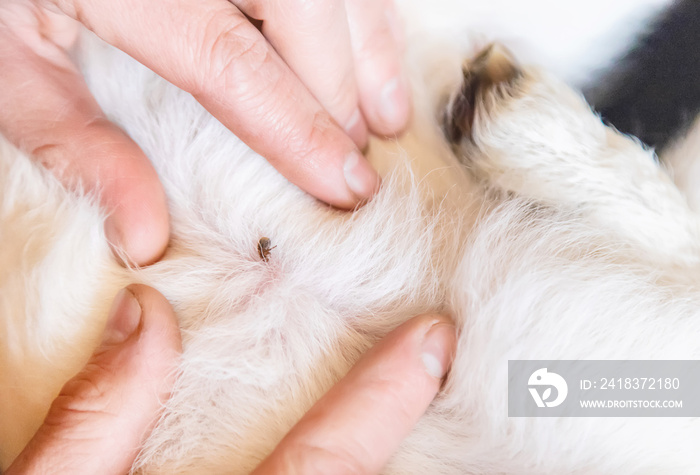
[299, 91]
[99, 419]
[357, 425]
[97, 422]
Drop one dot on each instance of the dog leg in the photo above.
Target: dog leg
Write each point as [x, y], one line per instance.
[524, 132]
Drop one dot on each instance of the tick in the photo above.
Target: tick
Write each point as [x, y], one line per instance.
[264, 248]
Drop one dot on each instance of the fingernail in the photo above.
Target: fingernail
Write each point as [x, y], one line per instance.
[438, 347]
[124, 318]
[356, 127]
[393, 103]
[361, 178]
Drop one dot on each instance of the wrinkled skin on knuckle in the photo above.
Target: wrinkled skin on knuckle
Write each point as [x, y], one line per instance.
[344, 98]
[51, 157]
[61, 156]
[234, 57]
[306, 145]
[378, 43]
[73, 8]
[391, 393]
[68, 6]
[94, 383]
[80, 400]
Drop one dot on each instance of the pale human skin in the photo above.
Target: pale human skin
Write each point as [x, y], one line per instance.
[303, 91]
[97, 422]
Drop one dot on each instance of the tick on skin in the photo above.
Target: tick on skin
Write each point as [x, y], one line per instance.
[264, 248]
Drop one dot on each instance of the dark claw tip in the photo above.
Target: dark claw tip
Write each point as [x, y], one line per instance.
[493, 67]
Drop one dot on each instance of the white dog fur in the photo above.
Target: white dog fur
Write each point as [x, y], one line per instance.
[560, 239]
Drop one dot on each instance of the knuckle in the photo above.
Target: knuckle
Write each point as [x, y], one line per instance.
[232, 51]
[379, 43]
[85, 394]
[374, 31]
[51, 157]
[82, 389]
[307, 144]
[397, 395]
[344, 100]
[73, 8]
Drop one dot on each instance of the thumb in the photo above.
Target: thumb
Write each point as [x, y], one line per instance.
[357, 425]
[101, 416]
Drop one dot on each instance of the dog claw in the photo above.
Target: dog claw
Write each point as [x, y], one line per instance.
[493, 67]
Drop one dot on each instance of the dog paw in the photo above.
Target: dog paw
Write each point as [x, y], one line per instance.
[490, 76]
[521, 130]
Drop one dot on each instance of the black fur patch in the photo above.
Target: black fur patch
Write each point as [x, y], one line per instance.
[654, 91]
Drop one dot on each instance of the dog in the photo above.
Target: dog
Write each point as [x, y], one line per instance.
[543, 232]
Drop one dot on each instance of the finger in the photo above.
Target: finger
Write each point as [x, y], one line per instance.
[359, 423]
[100, 418]
[376, 40]
[47, 110]
[313, 39]
[210, 49]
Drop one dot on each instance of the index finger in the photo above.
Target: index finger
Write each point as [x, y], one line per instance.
[210, 49]
[360, 422]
